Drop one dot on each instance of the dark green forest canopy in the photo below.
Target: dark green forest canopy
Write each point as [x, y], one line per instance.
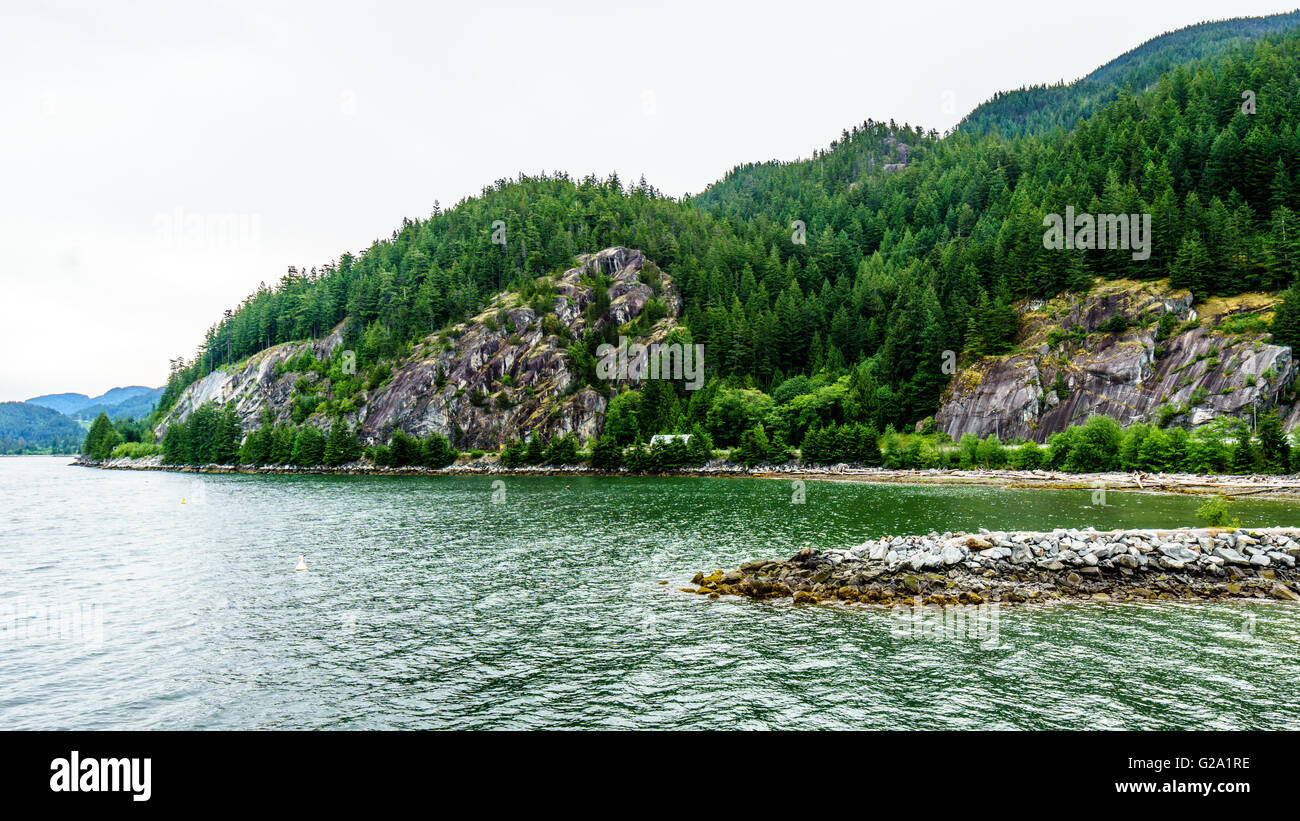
[896, 267]
[1041, 108]
[28, 428]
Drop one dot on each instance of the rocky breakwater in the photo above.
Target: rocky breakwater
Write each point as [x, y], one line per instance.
[1016, 567]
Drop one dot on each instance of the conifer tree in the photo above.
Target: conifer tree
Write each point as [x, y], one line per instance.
[1286, 319]
[606, 454]
[101, 438]
[308, 447]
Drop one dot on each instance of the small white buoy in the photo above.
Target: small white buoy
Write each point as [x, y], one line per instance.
[302, 564]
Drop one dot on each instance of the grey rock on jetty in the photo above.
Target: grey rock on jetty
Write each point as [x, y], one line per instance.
[1015, 567]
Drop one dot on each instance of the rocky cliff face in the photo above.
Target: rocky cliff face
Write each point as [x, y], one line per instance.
[1203, 369]
[259, 383]
[497, 376]
[505, 374]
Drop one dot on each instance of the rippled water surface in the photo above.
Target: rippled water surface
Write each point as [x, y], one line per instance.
[427, 605]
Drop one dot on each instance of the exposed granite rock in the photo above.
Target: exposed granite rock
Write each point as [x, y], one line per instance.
[252, 385]
[497, 376]
[526, 365]
[1200, 371]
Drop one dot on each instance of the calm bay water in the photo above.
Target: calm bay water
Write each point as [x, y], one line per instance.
[427, 605]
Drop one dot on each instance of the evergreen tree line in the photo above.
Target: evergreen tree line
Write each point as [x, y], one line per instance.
[1225, 446]
[213, 435]
[106, 436]
[432, 451]
[659, 457]
[1100, 445]
[531, 450]
[210, 435]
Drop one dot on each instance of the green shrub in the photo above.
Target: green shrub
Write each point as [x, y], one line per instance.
[1116, 324]
[1214, 513]
[135, 450]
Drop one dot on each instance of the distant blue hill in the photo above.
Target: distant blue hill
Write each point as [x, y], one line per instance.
[136, 407]
[61, 402]
[117, 396]
[135, 401]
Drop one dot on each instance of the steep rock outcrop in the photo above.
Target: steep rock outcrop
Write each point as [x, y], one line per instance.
[497, 376]
[258, 383]
[1202, 370]
[503, 374]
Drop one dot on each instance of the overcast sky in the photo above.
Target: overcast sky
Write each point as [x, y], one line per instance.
[158, 160]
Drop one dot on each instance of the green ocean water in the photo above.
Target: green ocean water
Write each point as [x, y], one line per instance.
[446, 602]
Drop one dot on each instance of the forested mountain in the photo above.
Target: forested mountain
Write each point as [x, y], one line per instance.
[1040, 108]
[836, 279]
[28, 428]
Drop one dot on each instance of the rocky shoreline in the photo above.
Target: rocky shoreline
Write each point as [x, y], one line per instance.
[1261, 486]
[1018, 567]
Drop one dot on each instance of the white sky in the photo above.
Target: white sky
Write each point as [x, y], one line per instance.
[320, 125]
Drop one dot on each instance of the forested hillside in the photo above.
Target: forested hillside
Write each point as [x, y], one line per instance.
[1040, 108]
[27, 428]
[839, 282]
